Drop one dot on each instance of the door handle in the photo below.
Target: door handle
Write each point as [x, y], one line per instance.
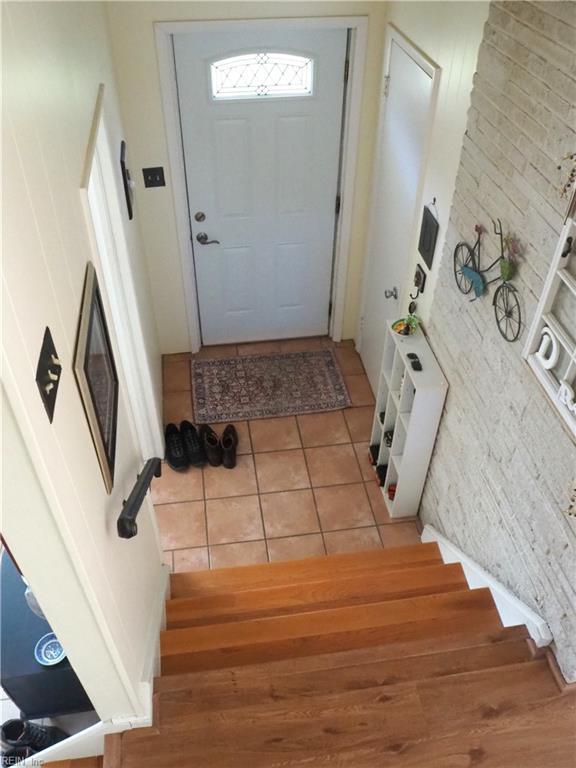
[202, 238]
[393, 294]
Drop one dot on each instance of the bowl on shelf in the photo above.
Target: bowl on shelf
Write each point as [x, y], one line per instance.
[49, 651]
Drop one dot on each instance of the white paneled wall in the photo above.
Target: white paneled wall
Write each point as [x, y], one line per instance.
[62, 531]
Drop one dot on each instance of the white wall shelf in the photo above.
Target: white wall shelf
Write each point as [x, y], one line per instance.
[551, 346]
[412, 403]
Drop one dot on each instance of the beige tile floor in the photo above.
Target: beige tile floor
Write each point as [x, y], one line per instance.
[303, 486]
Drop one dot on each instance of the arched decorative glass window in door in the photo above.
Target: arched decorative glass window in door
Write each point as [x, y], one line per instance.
[263, 74]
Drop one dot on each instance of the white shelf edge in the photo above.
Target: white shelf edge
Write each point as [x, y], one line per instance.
[511, 609]
[562, 336]
[404, 418]
[568, 280]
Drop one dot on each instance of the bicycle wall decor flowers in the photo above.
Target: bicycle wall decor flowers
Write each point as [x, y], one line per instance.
[470, 276]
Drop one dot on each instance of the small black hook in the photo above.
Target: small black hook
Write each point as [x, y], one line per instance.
[418, 292]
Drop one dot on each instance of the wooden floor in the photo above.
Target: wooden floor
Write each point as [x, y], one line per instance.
[383, 658]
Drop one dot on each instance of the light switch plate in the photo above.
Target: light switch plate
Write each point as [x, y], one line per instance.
[154, 177]
[48, 374]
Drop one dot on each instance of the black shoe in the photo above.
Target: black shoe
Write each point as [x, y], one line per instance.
[229, 442]
[23, 733]
[175, 452]
[211, 444]
[192, 444]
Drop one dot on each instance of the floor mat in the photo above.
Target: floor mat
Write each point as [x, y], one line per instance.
[260, 386]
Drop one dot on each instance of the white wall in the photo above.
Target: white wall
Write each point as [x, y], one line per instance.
[131, 27]
[449, 33]
[54, 57]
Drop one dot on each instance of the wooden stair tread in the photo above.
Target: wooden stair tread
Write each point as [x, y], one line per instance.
[200, 583]
[457, 638]
[331, 591]
[451, 703]
[394, 720]
[320, 631]
[262, 688]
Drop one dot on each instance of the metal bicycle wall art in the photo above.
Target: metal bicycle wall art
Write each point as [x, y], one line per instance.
[470, 276]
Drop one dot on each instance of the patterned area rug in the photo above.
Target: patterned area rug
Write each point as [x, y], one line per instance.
[259, 386]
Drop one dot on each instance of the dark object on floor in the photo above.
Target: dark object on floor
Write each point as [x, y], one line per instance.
[192, 444]
[37, 691]
[23, 733]
[374, 449]
[15, 755]
[381, 416]
[381, 470]
[175, 452]
[212, 445]
[229, 442]
[388, 437]
[261, 386]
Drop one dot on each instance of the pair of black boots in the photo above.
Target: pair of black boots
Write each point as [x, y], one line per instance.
[25, 739]
[187, 446]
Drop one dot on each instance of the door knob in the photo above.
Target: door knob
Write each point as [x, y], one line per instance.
[202, 238]
[393, 294]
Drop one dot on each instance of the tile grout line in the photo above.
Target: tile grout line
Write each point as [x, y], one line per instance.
[311, 486]
[258, 493]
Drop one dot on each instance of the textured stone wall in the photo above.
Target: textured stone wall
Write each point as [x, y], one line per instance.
[504, 467]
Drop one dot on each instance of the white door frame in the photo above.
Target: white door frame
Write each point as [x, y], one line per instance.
[350, 141]
[104, 212]
[393, 35]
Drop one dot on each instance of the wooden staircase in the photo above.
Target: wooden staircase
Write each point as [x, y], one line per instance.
[380, 658]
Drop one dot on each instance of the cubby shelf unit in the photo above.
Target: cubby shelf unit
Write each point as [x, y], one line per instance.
[409, 403]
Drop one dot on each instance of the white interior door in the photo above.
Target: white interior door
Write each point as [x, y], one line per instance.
[404, 125]
[261, 139]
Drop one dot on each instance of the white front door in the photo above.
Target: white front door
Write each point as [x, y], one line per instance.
[261, 114]
[404, 124]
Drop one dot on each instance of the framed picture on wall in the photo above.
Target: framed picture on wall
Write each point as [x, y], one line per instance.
[96, 375]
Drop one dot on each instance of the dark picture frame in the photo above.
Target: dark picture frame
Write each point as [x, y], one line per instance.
[126, 180]
[96, 375]
[428, 236]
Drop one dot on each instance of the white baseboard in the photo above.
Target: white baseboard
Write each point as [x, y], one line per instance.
[512, 610]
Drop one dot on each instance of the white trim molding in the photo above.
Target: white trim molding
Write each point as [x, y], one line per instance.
[105, 224]
[433, 70]
[164, 31]
[511, 609]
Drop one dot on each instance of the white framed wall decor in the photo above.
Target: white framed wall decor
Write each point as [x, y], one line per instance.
[550, 349]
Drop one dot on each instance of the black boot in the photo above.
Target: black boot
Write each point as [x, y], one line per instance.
[229, 443]
[23, 733]
[212, 445]
[175, 452]
[192, 444]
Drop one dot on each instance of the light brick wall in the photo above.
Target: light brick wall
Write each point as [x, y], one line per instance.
[504, 468]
